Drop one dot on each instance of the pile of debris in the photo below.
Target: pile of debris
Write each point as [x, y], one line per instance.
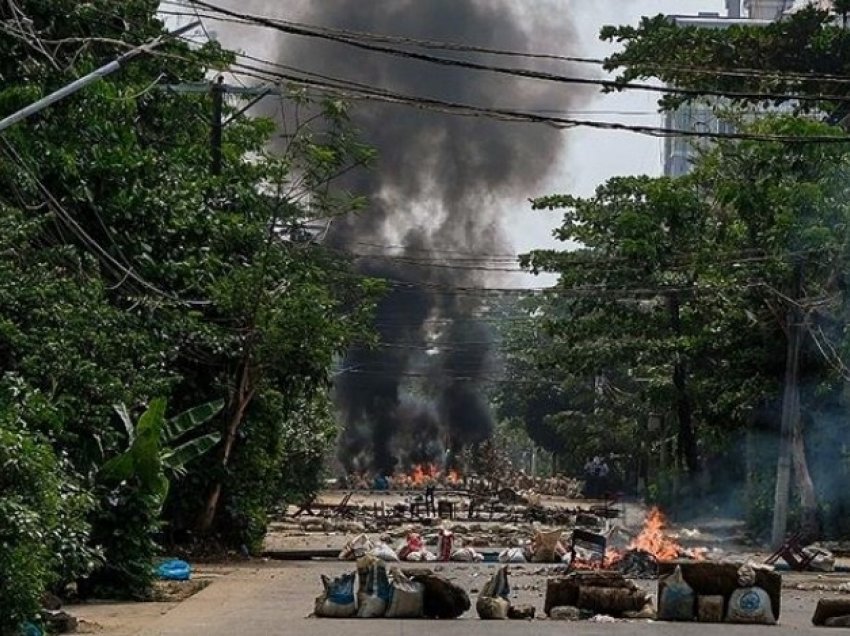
[552, 486]
[531, 544]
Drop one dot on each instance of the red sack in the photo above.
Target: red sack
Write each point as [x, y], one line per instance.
[414, 544]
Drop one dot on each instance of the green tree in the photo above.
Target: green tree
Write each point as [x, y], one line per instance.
[793, 56]
[128, 271]
[677, 302]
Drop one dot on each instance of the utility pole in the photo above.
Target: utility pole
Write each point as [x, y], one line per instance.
[91, 78]
[218, 90]
[790, 410]
[216, 124]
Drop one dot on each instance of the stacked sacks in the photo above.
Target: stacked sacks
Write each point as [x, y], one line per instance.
[393, 595]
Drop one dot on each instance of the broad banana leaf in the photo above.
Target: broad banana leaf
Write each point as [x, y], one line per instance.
[175, 459]
[121, 409]
[119, 468]
[181, 424]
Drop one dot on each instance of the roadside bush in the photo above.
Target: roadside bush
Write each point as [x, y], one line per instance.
[125, 524]
[281, 459]
[29, 517]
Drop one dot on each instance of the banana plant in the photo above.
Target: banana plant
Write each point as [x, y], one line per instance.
[152, 458]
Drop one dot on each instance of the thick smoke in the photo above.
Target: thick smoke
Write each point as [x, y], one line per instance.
[439, 189]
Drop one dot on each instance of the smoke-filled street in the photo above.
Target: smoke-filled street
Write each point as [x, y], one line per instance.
[408, 316]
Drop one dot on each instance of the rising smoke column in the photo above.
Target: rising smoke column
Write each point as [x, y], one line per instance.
[441, 185]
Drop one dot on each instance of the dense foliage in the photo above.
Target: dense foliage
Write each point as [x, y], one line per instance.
[665, 344]
[129, 271]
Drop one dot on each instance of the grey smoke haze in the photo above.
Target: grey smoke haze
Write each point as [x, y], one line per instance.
[441, 185]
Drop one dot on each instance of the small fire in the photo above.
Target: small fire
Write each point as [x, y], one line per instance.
[654, 540]
[422, 474]
[453, 477]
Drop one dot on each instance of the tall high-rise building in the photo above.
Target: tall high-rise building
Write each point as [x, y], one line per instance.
[701, 116]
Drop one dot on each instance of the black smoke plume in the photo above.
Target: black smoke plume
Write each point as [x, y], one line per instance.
[440, 188]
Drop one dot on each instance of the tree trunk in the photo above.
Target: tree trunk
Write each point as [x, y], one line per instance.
[809, 525]
[688, 450]
[790, 414]
[243, 398]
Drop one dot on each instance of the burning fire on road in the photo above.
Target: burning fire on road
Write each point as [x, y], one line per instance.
[653, 545]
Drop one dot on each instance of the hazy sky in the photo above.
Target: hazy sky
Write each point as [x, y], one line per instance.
[596, 155]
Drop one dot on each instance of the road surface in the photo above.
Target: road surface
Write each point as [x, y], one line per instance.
[276, 598]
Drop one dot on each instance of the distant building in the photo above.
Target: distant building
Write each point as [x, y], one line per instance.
[679, 152]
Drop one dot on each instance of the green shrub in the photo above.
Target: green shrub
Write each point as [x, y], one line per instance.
[279, 460]
[29, 517]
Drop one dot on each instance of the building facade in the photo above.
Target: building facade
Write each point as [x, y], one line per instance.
[679, 152]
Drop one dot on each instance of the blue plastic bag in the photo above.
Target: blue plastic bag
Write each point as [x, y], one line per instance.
[174, 570]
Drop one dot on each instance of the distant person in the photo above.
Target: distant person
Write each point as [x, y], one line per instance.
[381, 483]
[430, 503]
[602, 481]
[596, 475]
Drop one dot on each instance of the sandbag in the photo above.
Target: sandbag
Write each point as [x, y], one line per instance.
[498, 585]
[492, 609]
[822, 560]
[356, 548]
[337, 601]
[467, 555]
[677, 600]
[384, 552]
[445, 545]
[512, 555]
[407, 597]
[750, 605]
[421, 556]
[374, 591]
[546, 547]
[413, 544]
[443, 599]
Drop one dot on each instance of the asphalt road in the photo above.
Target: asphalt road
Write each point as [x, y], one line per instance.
[276, 598]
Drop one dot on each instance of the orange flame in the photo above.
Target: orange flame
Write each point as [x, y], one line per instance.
[654, 540]
[422, 474]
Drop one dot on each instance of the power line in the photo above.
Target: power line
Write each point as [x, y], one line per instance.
[339, 88]
[431, 44]
[344, 37]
